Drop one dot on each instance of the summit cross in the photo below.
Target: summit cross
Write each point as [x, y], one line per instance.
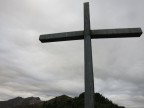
[87, 35]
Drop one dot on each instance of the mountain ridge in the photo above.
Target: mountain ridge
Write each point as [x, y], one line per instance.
[62, 101]
[18, 101]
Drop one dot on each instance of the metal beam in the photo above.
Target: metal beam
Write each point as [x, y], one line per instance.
[116, 33]
[65, 36]
[96, 34]
[89, 79]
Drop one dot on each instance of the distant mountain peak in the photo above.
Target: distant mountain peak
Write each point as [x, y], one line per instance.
[12, 103]
[63, 97]
[17, 98]
[62, 101]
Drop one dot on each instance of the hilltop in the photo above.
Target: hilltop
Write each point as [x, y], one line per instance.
[62, 101]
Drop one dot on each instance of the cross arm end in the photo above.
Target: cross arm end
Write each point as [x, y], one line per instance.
[117, 33]
[65, 36]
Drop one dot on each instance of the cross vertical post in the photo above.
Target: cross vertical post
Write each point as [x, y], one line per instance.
[89, 80]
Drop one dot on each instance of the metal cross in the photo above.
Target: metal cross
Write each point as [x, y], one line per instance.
[87, 35]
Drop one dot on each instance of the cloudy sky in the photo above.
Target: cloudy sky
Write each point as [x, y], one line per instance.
[30, 68]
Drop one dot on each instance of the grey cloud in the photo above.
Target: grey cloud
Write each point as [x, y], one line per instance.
[30, 68]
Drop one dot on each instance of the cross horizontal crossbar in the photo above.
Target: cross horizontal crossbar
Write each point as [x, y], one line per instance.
[95, 34]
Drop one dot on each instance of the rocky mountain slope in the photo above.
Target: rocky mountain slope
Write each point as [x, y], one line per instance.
[57, 102]
[19, 101]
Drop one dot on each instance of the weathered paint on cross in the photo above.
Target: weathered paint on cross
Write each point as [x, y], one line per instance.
[87, 35]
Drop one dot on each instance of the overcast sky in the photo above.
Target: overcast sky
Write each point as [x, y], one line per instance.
[31, 68]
